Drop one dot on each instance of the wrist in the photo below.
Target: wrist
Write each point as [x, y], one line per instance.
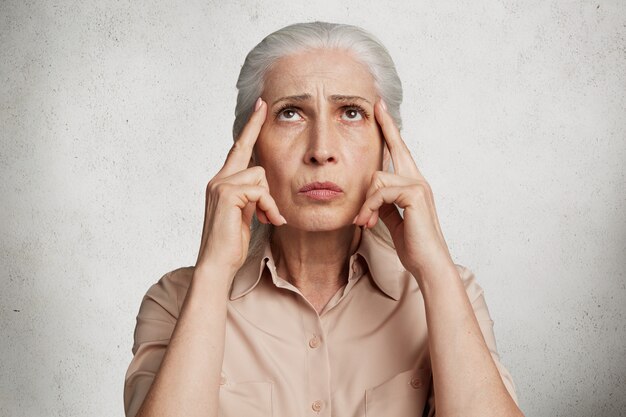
[212, 263]
[434, 271]
[214, 272]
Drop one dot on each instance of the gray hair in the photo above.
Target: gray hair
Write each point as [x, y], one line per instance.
[316, 35]
[300, 37]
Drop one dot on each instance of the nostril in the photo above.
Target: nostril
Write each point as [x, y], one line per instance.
[314, 160]
[320, 157]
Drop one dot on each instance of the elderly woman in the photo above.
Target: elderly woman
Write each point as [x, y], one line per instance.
[331, 302]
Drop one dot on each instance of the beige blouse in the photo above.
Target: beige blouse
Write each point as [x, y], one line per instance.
[365, 354]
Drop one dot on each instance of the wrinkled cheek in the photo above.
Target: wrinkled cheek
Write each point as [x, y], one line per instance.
[369, 154]
[279, 189]
[273, 181]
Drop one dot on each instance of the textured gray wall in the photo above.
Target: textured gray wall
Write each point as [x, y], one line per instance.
[114, 115]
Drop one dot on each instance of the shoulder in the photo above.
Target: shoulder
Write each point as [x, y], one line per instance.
[473, 289]
[466, 274]
[170, 290]
[160, 307]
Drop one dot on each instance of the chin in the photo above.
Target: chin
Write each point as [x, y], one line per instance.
[321, 226]
[319, 220]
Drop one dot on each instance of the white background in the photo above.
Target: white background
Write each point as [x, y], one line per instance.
[115, 114]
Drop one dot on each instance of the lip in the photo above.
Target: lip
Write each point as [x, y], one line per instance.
[321, 190]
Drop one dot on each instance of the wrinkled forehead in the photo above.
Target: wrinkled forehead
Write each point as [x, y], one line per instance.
[327, 72]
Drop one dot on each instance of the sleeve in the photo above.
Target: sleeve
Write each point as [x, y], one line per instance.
[156, 320]
[476, 296]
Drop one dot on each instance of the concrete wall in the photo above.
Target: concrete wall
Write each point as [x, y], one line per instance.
[115, 114]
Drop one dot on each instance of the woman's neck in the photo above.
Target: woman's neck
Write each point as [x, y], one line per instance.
[315, 262]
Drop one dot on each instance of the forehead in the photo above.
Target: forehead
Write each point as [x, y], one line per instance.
[327, 71]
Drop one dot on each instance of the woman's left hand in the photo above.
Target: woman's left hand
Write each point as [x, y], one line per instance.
[417, 237]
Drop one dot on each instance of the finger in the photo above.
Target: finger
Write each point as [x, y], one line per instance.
[259, 195]
[250, 176]
[414, 194]
[381, 204]
[382, 179]
[254, 175]
[239, 155]
[389, 195]
[248, 212]
[391, 216]
[261, 216]
[403, 162]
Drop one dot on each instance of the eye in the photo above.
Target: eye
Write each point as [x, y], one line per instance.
[288, 114]
[354, 113]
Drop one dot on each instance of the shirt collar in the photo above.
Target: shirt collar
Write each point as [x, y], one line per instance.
[382, 262]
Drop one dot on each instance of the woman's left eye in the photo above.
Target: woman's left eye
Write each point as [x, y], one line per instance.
[352, 114]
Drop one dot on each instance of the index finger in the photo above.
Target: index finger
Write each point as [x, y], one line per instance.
[241, 151]
[403, 162]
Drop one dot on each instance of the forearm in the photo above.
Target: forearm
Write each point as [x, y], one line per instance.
[466, 380]
[187, 383]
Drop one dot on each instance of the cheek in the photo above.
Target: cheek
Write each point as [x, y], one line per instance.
[266, 149]
[367, 159]
[279, 181]
[277, 166]
[273, 141]
[276, 171]
[368, 150]
[361, 168]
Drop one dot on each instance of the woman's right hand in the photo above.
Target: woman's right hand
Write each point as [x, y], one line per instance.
[232, 197]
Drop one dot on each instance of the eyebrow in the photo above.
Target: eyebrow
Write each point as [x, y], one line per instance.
[337, 98]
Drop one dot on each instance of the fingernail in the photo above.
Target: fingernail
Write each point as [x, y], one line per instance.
[284, 220]
[353, 221]
[383, 104]
[257, 105]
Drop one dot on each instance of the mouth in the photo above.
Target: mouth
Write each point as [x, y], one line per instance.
[321, 190]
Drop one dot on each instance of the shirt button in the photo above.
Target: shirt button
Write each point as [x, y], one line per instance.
[416, 383]
[222, 379]
[314, 342]
[317, 405]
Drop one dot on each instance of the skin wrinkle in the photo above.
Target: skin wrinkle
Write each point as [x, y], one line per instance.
[333, 98]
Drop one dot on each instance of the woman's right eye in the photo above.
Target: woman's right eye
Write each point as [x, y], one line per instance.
[288, 115]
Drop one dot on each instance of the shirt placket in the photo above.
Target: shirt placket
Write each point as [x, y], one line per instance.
[318, 366]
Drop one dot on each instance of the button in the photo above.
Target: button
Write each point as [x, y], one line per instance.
[222, 379]
[416, 383]
[317, 406]
[314, 342]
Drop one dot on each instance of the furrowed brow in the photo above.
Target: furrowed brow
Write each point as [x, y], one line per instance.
[297, 97]
[340, 98]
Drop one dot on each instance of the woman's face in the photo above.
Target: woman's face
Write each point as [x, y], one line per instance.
[320, 128]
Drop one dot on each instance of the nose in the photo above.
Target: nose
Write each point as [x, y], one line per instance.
[322, 144]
